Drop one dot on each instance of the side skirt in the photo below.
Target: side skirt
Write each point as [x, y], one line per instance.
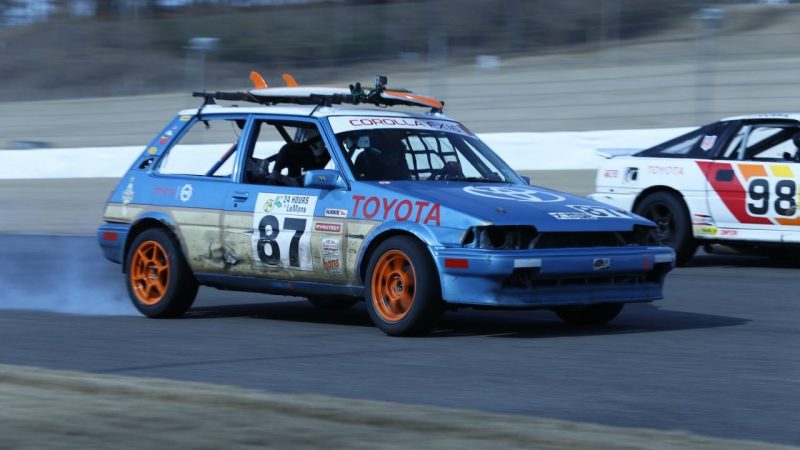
[278, 287]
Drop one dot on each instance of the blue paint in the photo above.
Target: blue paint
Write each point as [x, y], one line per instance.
[438, 213]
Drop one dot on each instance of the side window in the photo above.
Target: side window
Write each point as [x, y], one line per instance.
[699, 144]
[770, 143]
[206, 149]
[734, 150]
[282, 151]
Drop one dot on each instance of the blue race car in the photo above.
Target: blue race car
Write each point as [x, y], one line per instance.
[314, 192]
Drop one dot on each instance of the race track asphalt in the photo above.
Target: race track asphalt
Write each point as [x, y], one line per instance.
[718, 356]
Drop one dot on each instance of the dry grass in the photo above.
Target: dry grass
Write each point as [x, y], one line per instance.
[57, 409]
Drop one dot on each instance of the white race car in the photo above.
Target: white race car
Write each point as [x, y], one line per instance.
[732, 182]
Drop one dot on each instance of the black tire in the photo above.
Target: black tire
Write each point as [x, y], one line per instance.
[160, 283]
[590, 314]
[674, 229]
[338, 302]
[402, 267]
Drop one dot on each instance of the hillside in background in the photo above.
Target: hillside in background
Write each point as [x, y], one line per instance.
[680, 73]
[128, 54]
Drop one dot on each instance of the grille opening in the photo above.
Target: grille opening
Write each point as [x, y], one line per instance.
[585, 239]
[528, 279]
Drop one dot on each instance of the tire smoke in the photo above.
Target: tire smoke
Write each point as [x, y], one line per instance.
[62, 274]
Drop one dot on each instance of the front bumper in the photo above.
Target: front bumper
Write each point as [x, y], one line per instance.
[622, 200]
[112, 238]
[553, 277]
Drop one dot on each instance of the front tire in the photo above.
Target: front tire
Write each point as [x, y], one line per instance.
[160, 283]
[674, 229]
[589, 314]
[402, 292]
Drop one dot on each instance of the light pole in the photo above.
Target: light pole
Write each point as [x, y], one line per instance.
[195, 66]
[708, 21]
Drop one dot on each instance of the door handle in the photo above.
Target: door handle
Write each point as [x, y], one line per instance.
[241, 196]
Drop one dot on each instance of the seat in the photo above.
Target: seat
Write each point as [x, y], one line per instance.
[383, 160]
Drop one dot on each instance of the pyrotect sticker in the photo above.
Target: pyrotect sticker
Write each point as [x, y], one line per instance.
[328, 227]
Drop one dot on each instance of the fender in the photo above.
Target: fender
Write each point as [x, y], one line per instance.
[421, 232]
[140, 223]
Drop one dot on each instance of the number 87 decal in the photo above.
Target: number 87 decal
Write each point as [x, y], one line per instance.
[782, 199]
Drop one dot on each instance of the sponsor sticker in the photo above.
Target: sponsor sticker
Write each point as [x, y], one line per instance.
[152, 150]
[518, 194]
[185, 118]
[665, 170]
[610, 173]
[572, 216]
[161, 190]
[331, 255]
[705, 229]
[350, 123]
[328, 227]
[128, 193]
[708, 143]
[589, 212]
[376, 208]
[601, 211]
[185, 194]
[333, 212]
[282, 225]
[302, 205]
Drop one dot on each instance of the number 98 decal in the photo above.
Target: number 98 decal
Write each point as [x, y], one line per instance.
[778, 200]
[282, 225]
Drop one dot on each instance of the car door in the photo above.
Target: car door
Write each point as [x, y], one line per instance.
[753, 193]
[189, 184]
[275, 227]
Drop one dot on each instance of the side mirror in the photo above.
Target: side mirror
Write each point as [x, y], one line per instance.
[323, 179]
[526, 179]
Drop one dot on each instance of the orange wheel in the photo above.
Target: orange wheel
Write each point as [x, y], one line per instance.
[393, 285]
[149, 272]
[160, 283]
[402, 292]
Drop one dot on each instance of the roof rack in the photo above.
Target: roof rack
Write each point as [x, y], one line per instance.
[323, 96]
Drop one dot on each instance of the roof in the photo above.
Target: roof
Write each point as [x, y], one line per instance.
[785, 116]
[312, 111]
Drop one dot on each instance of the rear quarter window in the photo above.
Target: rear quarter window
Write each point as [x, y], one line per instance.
[698, 144]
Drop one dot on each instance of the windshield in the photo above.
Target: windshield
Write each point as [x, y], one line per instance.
[419, 152]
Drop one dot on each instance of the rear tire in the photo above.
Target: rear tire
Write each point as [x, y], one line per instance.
[160, 283]
[589, 315]
[402, 290]
[673, 227]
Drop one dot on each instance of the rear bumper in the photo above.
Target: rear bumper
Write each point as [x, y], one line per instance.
[553, 277]
[112, 238]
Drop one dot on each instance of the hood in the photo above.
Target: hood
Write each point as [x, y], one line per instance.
[516, 204]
